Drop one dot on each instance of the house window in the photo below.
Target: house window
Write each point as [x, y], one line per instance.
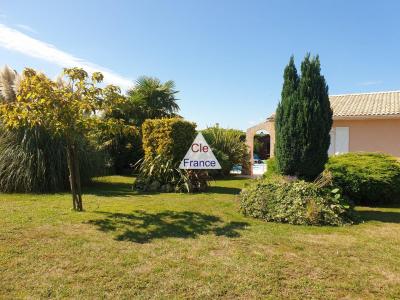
[339, 140]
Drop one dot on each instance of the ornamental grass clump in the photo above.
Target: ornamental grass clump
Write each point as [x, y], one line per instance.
[32, 160]
[277, 199]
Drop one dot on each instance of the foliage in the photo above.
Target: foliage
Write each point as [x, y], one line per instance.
[303, 121]
[151, 99]
[316, 118]
[272, 168]
[125, 150]
[161, 174]
[165, 143]
[169, 137]
[287, 131]
[367, 178]
[123, 147]
[32, 160]
[67, 109]
[295, 202]
[228, 146]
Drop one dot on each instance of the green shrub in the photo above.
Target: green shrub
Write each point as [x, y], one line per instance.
[272, 167]
[124, 149]
[170, 138]
[228, 146]
[160, 174]
[31, 160]
[165, 143]
[367, 178]
[295, 202]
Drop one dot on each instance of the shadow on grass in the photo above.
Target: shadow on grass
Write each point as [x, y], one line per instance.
[143, 227]
[110, 189]
[379, 215]
[223, 190]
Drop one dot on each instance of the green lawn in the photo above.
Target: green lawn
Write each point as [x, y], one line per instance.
[129, 245]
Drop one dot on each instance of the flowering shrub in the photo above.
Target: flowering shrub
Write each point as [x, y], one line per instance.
[295, 202]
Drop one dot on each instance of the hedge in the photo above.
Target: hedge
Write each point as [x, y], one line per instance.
[170, 138]
[165, 143]
[367, 178]
[297, 202]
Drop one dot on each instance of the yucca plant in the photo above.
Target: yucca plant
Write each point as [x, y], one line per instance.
[160, 174]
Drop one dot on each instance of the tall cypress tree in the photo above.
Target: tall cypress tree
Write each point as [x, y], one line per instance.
[315, 119]
[286, 131]
[303, 121]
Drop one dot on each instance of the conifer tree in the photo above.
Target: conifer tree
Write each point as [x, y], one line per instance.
[286, 130]
[315, 119]
[303, 121]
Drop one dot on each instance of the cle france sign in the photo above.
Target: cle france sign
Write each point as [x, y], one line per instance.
[199, 156]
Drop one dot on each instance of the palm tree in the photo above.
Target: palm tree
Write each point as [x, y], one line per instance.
[152, 99]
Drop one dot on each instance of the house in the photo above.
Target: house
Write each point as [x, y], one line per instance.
[361, 122]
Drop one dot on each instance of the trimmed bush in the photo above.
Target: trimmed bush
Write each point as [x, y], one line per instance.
[170, 138]
[367, 178]
[295, 202]
[165, 143]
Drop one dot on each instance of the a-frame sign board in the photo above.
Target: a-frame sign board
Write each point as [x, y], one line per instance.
[199, 156]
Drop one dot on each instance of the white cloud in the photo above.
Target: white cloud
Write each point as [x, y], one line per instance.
[26, 27]
[15, 40]
[372, 82]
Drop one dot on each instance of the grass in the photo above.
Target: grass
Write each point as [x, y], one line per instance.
[129, 245]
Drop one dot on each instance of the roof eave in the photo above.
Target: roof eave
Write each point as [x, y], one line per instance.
[367, 117]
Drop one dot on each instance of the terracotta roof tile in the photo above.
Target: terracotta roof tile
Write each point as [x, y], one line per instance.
[369, 104]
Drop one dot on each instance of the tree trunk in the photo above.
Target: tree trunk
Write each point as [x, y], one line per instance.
[74, 177]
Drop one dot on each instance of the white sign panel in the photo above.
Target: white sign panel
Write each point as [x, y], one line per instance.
[199, 156]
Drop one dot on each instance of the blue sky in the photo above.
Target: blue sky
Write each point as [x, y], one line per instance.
[226, 57]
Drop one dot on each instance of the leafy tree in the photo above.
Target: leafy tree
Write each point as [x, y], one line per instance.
[123, 147]
[303, 121]
[68, 109]
[287, 132]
